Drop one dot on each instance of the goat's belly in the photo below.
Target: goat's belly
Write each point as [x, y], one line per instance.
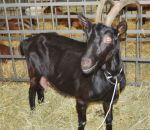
[64, 87]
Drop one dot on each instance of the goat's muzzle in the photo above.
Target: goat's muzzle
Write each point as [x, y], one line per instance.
[87, 65]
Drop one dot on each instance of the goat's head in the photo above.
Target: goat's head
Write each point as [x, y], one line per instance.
[102, 39]
[101, 42]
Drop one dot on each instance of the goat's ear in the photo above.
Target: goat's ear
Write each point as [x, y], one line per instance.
[84, 21]
[122, 27]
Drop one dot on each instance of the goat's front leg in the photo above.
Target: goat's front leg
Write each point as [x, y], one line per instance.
[110, 115]
[81, 107]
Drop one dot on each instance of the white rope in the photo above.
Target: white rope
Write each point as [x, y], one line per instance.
[110, 105]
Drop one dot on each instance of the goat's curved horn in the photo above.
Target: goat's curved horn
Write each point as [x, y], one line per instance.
[99, 11]
[118, 5]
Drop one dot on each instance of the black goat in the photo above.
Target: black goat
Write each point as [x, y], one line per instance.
[62, 61]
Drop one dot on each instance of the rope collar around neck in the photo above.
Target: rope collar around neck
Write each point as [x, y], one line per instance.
[111, 77]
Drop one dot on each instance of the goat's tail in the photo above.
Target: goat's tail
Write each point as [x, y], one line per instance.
[23, 47]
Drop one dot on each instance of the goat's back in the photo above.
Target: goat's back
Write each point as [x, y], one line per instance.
[52, 39]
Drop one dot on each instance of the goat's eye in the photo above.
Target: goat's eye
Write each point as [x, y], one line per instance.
[107, 39]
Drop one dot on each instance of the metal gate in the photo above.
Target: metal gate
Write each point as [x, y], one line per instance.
[20, 19]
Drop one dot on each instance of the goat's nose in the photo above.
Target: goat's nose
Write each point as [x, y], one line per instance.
[86, 63]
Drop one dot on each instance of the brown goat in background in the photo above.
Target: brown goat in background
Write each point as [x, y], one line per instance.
[16, 24]
[5, 50]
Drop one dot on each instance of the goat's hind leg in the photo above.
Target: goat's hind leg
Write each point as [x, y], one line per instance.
[32, 95]
[32, 92]
[40, 93]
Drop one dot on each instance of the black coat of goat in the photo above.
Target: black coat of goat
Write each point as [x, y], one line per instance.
[75, 68]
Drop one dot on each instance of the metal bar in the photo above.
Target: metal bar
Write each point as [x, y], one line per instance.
[140, 41]
[22, 22]
[126, 37]
[137, 54]
[79, 39]
[51, 3]
[27, 80]
[64, 31]
[61, 3]
[135, 15]
[56, 19]
[125, 59]
[1, 70]
[69, 19]
[84, 7]
[14, 79]
[40, 31]
[141, 60]
[37, 18]
[138, 31]
[10, 45]
[73, 16]
[52, 15]
[147, 39]
[30, 17]
[11, 57]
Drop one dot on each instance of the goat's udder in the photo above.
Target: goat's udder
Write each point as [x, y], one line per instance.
[44, 83]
